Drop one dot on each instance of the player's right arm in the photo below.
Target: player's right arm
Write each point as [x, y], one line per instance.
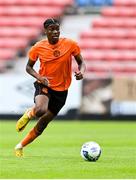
[30, 70]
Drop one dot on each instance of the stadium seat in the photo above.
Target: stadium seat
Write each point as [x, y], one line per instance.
[101, 2]
[82, 2]
[108, 68]
[7, 54]
[107, 43]
[125, 22]
[28, 32]
[109, 55]
[119, 11]
[124, 3]
[13, 43]
[97, 3]
[35, 22]
[33, 11]
[111, 70]
[39, 2]
[109, 33]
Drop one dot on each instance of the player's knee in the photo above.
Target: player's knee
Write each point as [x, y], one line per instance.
[40, 111]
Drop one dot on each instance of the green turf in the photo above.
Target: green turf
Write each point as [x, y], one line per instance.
[56, 154]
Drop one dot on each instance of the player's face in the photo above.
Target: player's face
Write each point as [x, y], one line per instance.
[53, 32]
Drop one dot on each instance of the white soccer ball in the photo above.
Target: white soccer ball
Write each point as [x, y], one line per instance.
[90, 151]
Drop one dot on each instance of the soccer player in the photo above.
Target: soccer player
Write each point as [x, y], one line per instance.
[52, 80]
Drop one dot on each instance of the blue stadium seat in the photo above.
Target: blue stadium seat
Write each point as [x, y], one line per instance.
[94, 2]
[101, 2]
[82, 2]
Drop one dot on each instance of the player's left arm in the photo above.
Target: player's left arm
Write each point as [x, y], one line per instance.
[81, 67]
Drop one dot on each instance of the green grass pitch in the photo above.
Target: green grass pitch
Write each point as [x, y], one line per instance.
[56, 153]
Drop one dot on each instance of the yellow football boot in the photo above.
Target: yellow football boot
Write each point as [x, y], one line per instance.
[19, 152]
[22, 122]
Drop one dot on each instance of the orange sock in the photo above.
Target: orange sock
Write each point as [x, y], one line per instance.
[29, 137]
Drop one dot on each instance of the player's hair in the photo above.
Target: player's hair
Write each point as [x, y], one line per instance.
[49, 22]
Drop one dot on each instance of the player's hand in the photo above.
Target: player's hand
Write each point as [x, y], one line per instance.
[78, 75]
[44, 81]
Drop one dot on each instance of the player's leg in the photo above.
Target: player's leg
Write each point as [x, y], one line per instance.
[38, 129]
[57, 101]
[34, 133]
[31, 112]
[41, 105]
[45, 116]
[46, 110]
[23, 121]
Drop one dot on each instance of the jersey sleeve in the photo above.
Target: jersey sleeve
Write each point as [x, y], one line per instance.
[75, 48]
[33, 53]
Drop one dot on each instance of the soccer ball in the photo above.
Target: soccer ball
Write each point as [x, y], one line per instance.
[90, 151]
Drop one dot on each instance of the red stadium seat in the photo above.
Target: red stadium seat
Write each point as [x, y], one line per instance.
[106, 68]
[124, 3]
[111, 70]
[119, 11]
[7, 54]
[27, 32]
[39, 2]
[107, 43]
[13, 43]
[31, 11]
[35, 22]
[114, 22]
[109, 33]
[109, 55]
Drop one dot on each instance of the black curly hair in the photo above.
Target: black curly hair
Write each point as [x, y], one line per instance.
[49, 22]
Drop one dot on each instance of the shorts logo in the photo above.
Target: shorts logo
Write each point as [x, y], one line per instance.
[45, 90]
[56, 53]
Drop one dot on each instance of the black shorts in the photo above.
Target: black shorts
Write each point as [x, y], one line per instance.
[57, 99]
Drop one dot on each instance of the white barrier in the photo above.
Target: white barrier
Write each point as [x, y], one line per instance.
[17, 91]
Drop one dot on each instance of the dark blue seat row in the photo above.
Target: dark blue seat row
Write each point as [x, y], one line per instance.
[94, 2]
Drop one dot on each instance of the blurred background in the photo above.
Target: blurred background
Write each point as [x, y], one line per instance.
[106, 32]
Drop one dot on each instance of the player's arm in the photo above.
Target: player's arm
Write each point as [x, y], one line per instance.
[81, 67]
[30, 70]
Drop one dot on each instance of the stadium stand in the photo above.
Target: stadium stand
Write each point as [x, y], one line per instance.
[21, 22]
[109, 45]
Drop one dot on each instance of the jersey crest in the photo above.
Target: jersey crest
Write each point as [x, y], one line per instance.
[56, 53]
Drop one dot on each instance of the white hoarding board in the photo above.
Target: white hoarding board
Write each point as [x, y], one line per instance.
[17, 92]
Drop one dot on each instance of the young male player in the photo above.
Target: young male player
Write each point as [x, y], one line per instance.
[52, 80]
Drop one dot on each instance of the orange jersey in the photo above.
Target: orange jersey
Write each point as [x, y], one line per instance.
[55, 61]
